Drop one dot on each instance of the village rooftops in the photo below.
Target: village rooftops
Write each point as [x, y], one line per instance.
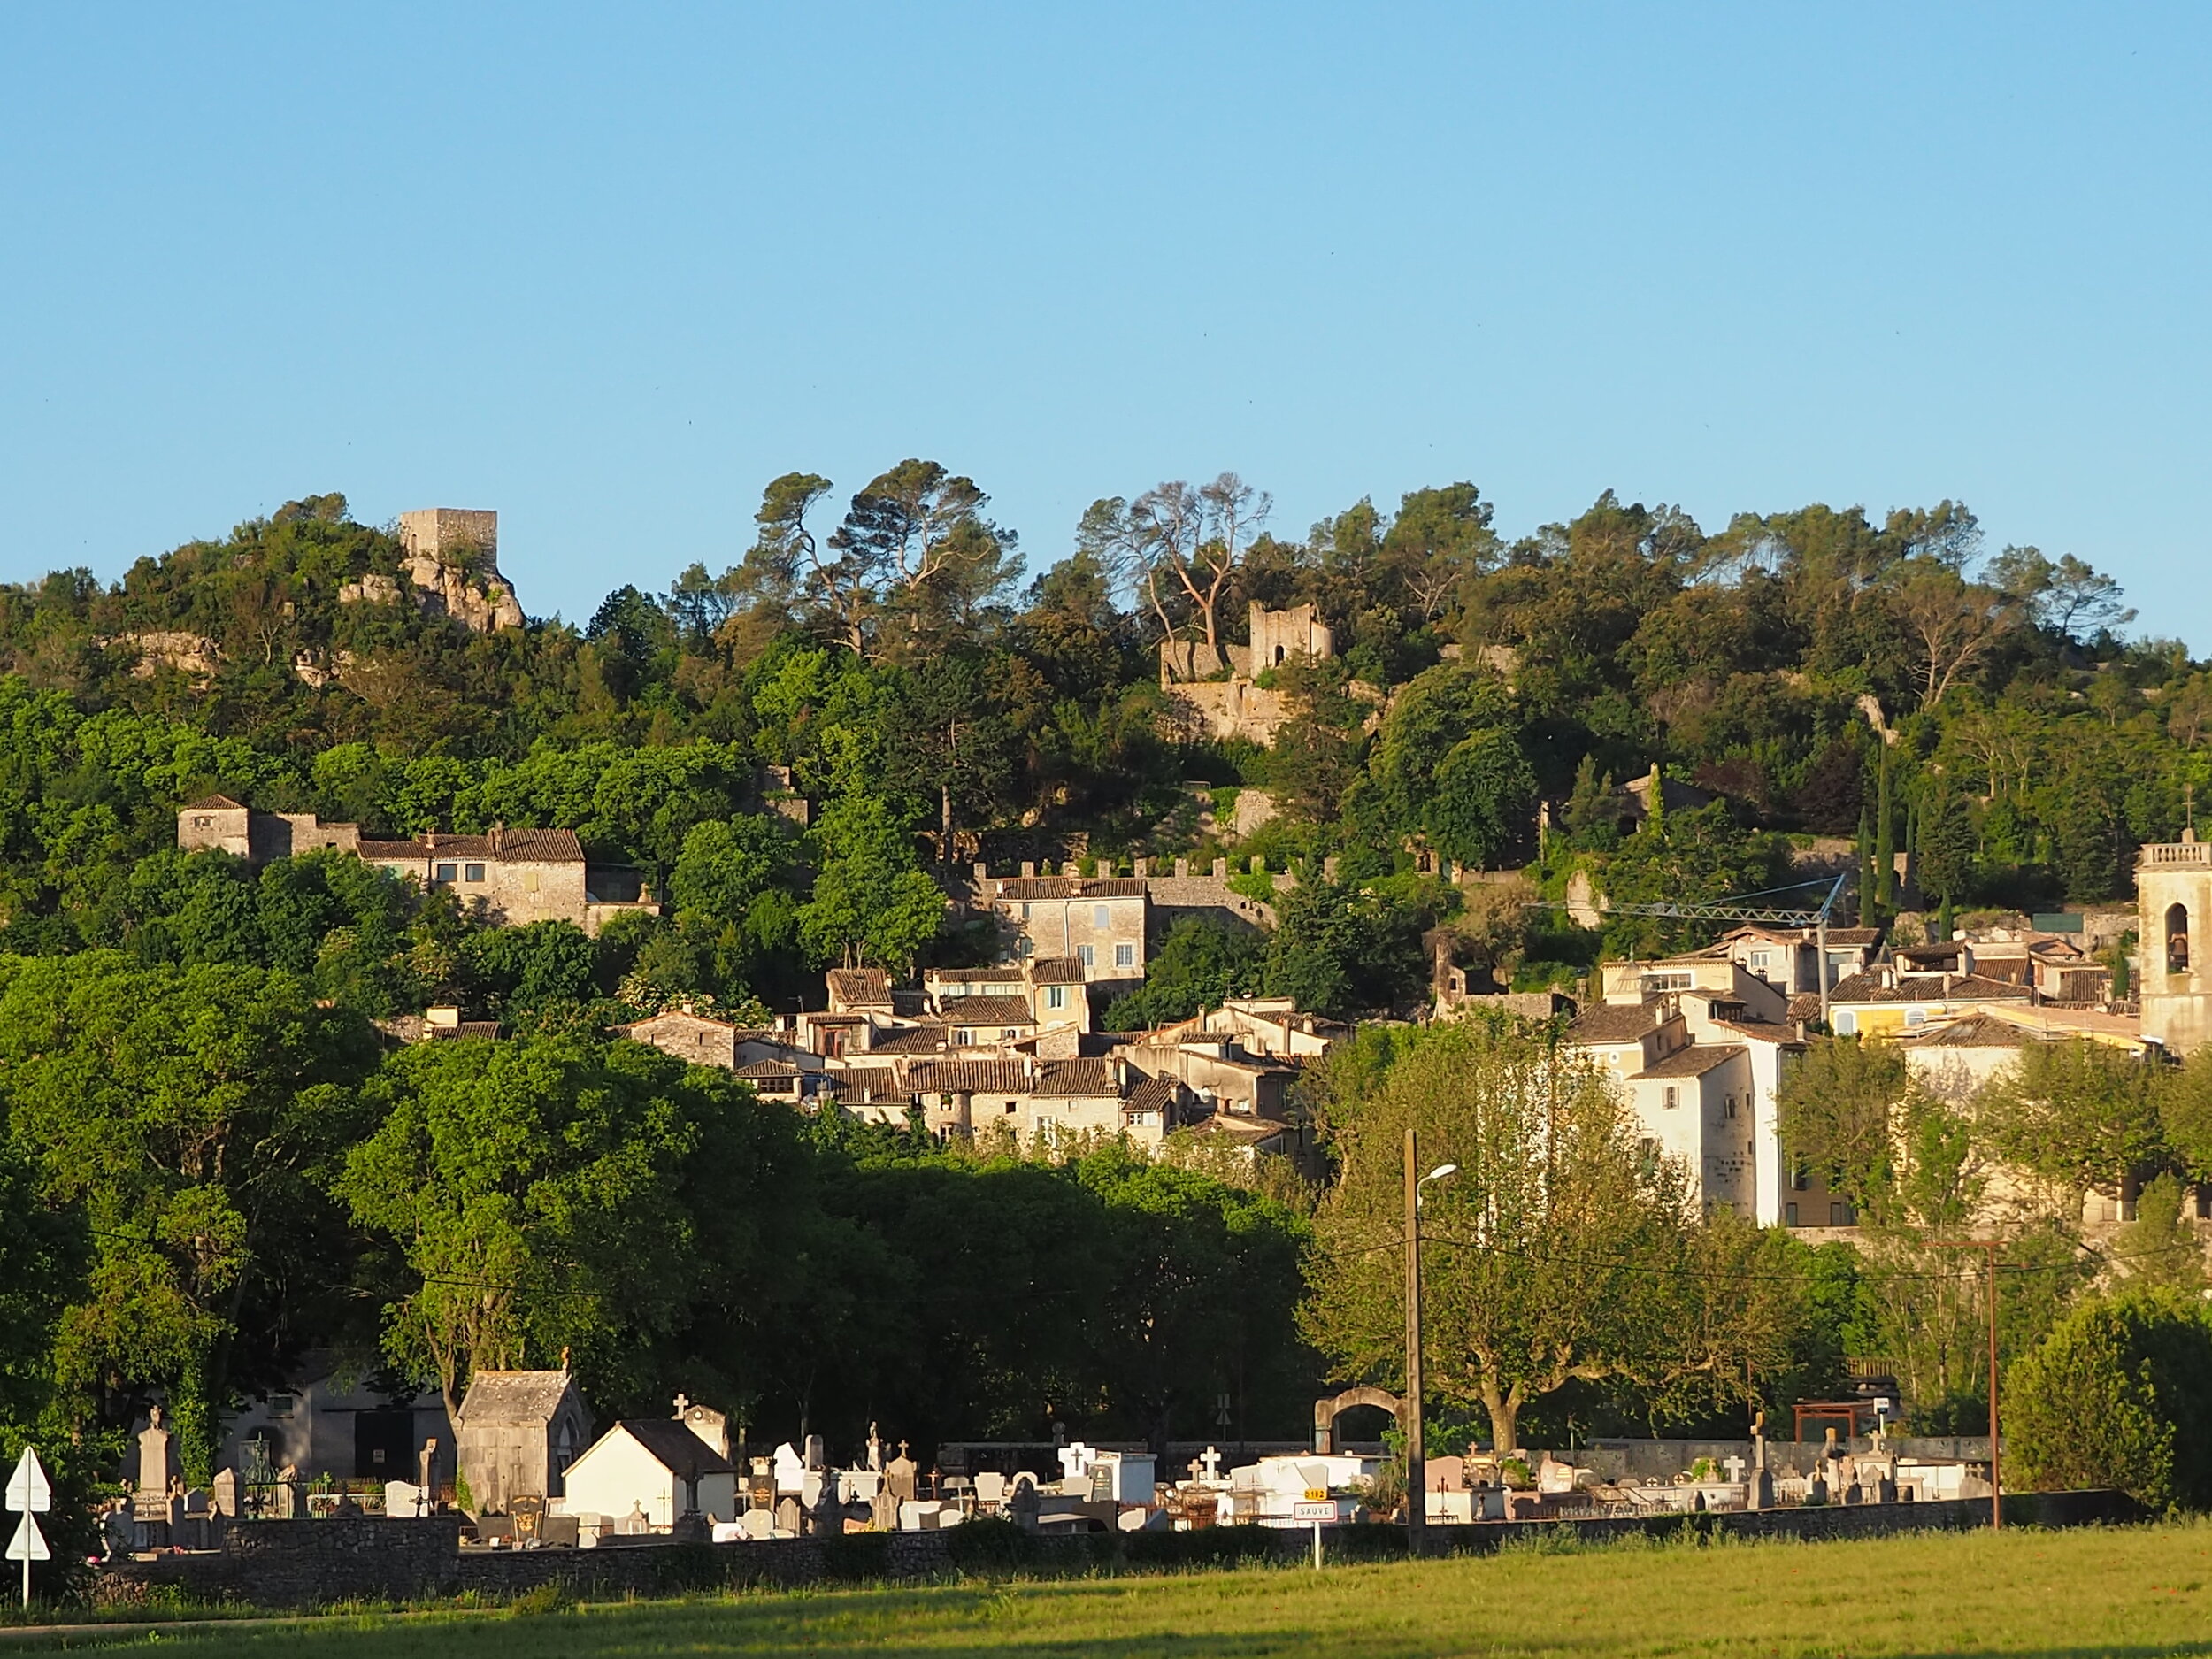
[1964, 987]
[1056, 970]
[1695, 1061]
[1076, 1076]
[1762, 1031]
[862, 1084]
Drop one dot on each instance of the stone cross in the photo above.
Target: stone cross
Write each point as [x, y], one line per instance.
[683, 1404]
[1735, 1465]
[1212, 1460]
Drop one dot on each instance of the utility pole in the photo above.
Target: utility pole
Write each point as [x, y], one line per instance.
[1416, 1462]
[1996, 1485]
[1416, 1458]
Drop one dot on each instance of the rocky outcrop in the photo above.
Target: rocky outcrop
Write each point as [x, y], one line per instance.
[187, 653]
[481, 603]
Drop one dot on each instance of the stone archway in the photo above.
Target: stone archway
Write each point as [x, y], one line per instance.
[1326, 1410]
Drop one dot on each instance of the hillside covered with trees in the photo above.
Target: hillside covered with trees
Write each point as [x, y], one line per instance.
[232, 1171]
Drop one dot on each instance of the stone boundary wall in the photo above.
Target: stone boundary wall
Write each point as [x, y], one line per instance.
[311, 1563]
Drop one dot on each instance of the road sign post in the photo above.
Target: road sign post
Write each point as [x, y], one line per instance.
[29, 1493]
[1319, 1514]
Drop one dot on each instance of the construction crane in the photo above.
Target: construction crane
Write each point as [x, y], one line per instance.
[1739, 909]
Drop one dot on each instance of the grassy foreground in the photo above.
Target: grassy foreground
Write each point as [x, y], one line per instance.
[2139, 1590]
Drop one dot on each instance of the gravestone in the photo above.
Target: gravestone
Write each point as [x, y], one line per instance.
[788, 1516]
[156, 1470]
[883, 1511]
[790, 1468]
[404, 1500]
[875, 1450]
[811, 1454]
[758, 1524]
[426, 1471]
[1022, 1503]
[990, 1488]
[898, 1480]
[223, 1496]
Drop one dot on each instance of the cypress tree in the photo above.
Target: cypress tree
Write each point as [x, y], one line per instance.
[1884, 832]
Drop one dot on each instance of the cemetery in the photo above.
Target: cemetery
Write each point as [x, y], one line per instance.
[663, 1504]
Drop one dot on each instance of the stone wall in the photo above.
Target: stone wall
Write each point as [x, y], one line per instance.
[308, 1563]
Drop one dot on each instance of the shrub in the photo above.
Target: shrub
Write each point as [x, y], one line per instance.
[2116, 1396]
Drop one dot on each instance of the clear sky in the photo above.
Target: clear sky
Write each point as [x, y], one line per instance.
[609, 270]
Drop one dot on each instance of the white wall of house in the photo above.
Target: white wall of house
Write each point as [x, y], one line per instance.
[617, 1474]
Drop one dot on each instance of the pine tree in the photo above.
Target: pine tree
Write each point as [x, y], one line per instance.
[1863, 861]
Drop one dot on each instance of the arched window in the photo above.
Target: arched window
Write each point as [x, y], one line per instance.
[1279, 653]
[2176, 939]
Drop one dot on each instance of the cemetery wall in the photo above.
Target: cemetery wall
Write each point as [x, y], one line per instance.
[306, 1563]
[1662, 1460]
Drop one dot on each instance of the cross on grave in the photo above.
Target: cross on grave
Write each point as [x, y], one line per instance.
[1212, 1460]
[1735, 1466]
[683, 1404]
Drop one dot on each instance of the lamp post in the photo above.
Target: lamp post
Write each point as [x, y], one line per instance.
[1416, 1462]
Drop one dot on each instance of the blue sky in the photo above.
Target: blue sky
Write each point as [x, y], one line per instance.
[609, 270]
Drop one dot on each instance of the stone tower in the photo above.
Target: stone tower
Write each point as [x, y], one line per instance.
[452, 558]
[2173, 892]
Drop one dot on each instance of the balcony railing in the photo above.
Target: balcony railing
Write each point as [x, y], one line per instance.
[2177, 853]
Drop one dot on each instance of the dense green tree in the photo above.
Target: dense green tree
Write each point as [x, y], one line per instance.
[552, 1194]
[190, 1114]
[2113, 1397]
[1200, 964]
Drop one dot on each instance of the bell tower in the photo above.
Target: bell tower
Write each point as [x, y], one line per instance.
[2173, 889]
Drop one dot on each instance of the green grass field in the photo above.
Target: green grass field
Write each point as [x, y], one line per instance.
[2129, 1592]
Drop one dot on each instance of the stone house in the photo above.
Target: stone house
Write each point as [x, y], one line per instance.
[517, 1434]
[1885, 1003]
[510, 876]
[1713, 971]
[705, 1040]
[1788, 957]
[1097, 920]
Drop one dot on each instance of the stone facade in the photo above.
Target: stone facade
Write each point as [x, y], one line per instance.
[2173, 891]
[511, 876]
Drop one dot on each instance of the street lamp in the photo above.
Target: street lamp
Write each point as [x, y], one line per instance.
[1416, 1461]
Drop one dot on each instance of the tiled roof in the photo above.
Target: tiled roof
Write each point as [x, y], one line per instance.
[974, 976]
[1965, 987]
[1076, 1076]
[484, 1028]
[1805, 1005]
[1762, 1030]
[969, 1077]
[214, 803]
[1034, 887]
[1610, 1022]
[766, 1069]
[1695, 1061]
[502, 845]
[675, 1447]
[986, 1010]
[1056, 971]
[914, 1040]
[1854, 935]
[1975, 1030]
[376, 852]
[1151, 1095]
[860, 987]
[866, 1083]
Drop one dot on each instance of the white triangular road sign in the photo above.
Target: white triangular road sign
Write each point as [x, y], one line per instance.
[28, 1488]
[28, 1544]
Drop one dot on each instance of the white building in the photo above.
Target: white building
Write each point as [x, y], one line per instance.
[661, 1466]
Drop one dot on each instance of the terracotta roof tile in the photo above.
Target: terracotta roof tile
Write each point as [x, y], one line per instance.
[969, 1077]
[1610, 1022]
[1027, 888]
[1695, 1061]
[1085, 1076]
[986, 1010]
[912, 1039]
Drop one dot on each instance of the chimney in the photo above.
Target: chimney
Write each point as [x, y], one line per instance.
[1029, 867]
[982, 872]
[443, 1017]
[1140, 867]
[1221, 868]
